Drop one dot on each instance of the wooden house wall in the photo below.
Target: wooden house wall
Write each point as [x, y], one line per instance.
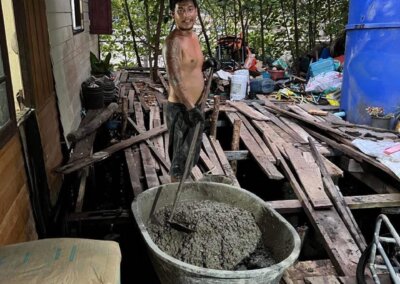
[33, 39]
[16, 219]
[70, 59]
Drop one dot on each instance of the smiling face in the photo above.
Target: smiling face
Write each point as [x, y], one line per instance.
[185, 14]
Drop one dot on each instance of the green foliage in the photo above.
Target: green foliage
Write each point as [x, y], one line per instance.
[98, 66]
[316, 24]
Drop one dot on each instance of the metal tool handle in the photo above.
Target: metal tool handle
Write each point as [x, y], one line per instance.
[189, 160]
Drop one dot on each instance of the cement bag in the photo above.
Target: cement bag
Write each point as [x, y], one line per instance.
[324, 81]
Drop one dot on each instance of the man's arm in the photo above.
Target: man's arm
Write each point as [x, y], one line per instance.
[173, 54]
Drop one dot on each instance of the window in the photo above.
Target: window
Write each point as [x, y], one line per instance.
[77, 15]
[7, 112]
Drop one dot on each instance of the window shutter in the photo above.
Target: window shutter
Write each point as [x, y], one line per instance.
[100, 17]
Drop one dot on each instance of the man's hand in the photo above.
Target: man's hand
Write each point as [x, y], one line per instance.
[212, 63]
[195, 116]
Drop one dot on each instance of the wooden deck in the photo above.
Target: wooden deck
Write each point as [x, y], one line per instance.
[285, 142]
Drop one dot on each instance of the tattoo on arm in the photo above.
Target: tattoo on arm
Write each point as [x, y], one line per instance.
[174, 61]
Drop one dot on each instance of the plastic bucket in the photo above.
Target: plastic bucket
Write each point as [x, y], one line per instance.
[238, 87]
[278, 235]
[372, 59]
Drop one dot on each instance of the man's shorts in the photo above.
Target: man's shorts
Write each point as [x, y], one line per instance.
[180, 138]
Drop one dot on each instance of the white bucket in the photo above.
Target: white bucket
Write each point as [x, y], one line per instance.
[244, 72]
[238, 87]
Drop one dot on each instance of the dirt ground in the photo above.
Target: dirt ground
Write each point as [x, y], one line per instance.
[225, 237]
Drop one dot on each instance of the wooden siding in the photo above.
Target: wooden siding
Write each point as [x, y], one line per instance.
[70, 58]
[16, 219]
[38, 80]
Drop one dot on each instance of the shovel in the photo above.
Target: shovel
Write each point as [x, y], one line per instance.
[188, 166]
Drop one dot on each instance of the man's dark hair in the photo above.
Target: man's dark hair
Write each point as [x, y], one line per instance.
[172, 3]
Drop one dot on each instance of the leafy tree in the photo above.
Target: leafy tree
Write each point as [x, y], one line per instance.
[268, 26]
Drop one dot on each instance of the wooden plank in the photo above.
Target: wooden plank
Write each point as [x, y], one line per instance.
[133, 161]
[158, 141]
[107, 152]
[163, 82]
[83, 174]
[310, 268]
[211, 155]
[266, 166]
[148, 167]
[144, 104]
[196, 173]
[302, 112]
[147, 159]
[354, 153]
[248, 111]
[258, 139]
[330, 118]
[237, 155]
[337, 240]
[303, 134]
[310, 178]
[373, 201]
[338, 200]
[124, 76]
[268, 133]
[210, 167]
[328, 279]
[224, 161]
[166, 164]
[278, 123]
[354, 202]
[321, 126]
[334, 171]
[131, 99]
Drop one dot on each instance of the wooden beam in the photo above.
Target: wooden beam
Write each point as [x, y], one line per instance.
[266, 166]
[354, 202]
[338, 200]
[107, 152]
[92, 125]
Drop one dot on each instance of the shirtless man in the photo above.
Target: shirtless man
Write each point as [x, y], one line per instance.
[184, 61]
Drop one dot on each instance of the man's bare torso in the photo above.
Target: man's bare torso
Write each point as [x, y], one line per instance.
[190, 63]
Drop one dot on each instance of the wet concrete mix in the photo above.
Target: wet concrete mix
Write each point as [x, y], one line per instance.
[224, 237]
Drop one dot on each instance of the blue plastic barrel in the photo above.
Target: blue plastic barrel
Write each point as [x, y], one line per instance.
[262, 86]
[372, 59]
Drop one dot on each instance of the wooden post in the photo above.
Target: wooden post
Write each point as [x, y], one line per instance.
[235, 141]
[214, 117]
[124, 107]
